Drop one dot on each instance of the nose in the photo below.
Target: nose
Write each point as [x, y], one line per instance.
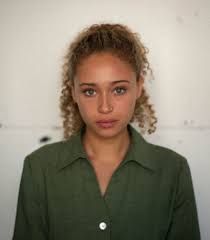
[104, 104]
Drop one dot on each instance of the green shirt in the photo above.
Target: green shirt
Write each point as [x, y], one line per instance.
[150, 195]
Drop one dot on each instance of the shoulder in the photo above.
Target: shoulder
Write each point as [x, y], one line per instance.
[166, 159]
[156, 157]
[47, 156]
[165, 153]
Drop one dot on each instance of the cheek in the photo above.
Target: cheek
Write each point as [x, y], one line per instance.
[126, 101]
[127, 104]
[86, 107]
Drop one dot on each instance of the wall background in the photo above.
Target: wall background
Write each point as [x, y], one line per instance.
[34, 37]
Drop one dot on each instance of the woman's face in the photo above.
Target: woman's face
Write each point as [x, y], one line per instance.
[105, 89]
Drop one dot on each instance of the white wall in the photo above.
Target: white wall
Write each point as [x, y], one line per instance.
[34, 36]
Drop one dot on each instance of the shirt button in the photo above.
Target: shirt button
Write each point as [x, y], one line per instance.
[102, 225]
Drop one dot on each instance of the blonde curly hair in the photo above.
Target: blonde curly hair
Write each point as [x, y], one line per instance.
[118, 40]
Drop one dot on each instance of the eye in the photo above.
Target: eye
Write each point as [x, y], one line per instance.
[120, 90]
[88, 92]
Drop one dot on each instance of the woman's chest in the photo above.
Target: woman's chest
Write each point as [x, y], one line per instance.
[104, 173]
[132, 198]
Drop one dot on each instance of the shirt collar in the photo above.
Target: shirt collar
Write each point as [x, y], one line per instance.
[139, 150]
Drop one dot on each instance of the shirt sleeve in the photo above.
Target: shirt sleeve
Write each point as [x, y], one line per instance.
[30, 221]
[184, 224]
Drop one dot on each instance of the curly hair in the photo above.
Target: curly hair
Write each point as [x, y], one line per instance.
[120, 41]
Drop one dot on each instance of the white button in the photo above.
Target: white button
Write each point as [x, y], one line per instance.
[102, 225]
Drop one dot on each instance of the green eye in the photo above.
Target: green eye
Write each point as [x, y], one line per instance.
[120, 90]
[89, 92]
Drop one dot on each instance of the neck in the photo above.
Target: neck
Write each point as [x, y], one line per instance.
[106, 150]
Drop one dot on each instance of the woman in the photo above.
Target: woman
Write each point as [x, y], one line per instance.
[104, 181]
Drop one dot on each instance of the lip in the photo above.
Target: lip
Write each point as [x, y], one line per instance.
[107, 121]
[105, 124]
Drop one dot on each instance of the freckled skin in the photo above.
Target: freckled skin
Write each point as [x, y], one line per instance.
[105, 103]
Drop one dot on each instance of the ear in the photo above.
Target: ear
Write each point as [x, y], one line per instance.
[139, 86]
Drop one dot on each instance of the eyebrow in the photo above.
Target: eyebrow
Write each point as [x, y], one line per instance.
[112, 83]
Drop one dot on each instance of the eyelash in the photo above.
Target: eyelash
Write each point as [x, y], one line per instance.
[88, 89]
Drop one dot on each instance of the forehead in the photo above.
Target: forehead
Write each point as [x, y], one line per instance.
[104, 65]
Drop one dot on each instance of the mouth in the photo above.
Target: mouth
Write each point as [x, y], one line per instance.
[106, 123]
